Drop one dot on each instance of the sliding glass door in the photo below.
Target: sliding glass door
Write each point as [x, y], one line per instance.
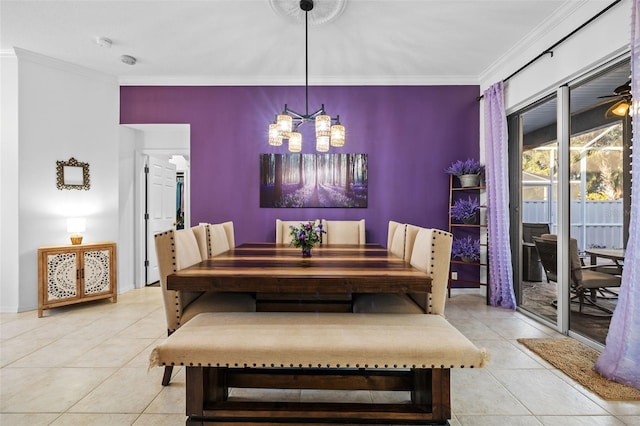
[570, 193]
[538, 189]
[599, 190]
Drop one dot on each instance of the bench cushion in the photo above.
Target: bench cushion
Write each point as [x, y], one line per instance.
[311, 340]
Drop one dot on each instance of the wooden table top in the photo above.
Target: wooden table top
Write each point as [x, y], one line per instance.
[278, 268]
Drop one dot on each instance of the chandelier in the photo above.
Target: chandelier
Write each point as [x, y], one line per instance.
[329, 131]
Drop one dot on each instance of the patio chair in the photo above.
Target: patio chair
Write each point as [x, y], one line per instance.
[531, 267]
[585, 282]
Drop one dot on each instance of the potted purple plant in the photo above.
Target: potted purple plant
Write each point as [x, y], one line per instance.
[465, 211]
[466, 249]
[468, 172]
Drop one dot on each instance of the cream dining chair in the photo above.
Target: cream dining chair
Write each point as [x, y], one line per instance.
[430, 253]
[344, 231]
[218, 238]
[395, 238]
[177, 250]
[386, 302]
[283, 230]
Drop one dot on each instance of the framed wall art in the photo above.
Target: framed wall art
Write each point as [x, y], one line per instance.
[313, 180]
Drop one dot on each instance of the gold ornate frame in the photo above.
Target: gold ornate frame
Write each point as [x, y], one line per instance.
[72, 174]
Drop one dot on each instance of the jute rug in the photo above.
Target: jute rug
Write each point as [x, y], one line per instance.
[576, 361]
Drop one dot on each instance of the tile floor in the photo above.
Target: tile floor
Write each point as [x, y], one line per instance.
[87, 365]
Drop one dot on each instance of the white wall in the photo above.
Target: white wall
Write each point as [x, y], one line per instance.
[9, 217]
[602, 40]
[128, 144]
[64, 111]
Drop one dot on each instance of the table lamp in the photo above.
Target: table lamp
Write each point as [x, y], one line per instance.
[76, 225]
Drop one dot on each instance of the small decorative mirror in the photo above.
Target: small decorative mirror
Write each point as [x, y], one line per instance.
[72, 174]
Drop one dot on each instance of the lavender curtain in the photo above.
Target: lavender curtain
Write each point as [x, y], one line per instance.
[497, 178]
[621, 356]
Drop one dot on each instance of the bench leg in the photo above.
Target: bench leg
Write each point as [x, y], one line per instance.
[433, 387]
[205, 385]
[166, 378]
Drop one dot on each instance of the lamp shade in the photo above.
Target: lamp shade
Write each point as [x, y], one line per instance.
[76, 224]
[285, 123]
[275, 136]
[337, 135]
[295, 142]
[323, 125]
[322, 143]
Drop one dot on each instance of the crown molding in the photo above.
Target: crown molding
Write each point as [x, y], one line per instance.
[7, 53]
[61, 65]
[409, 80]
[537, 34]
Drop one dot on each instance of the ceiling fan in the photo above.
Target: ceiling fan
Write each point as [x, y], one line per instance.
[621, 107]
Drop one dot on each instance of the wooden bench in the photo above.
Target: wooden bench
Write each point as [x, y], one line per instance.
[294, 350]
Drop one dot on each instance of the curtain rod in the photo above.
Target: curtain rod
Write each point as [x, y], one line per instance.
[549, 50]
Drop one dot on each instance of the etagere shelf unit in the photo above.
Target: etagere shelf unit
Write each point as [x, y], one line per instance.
[462, 273]
[69, 274]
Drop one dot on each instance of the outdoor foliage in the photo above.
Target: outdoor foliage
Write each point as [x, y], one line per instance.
[601, 149]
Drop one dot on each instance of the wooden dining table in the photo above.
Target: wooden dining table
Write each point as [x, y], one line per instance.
[284, 280]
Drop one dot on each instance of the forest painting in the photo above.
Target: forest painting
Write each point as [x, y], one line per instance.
[313, 180]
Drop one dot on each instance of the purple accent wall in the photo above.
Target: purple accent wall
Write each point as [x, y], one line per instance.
[411, 134]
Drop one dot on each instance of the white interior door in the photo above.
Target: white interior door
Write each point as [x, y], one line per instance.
[161, 207]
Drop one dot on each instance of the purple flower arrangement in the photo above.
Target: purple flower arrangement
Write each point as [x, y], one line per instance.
[306, 235]
[466, 249]
[467, 167]
[465, 210]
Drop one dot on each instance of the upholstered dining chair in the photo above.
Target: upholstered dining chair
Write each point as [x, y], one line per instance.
[201, 232]
[430, 252]
[218, 239]
[585, 282]
[395, 238]
[177, 250]
[344, 231]
[386, 302]
[410, 233]
[283, 230]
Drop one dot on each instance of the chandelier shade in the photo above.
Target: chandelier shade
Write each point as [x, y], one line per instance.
[322, 143]
[329, 131]
[275, 136]
[337, 135]
[295, 142]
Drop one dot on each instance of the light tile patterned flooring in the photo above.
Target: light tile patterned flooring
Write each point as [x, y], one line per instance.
[87, 365]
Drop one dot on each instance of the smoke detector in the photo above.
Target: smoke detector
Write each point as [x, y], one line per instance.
[103, 42]
[129, 60]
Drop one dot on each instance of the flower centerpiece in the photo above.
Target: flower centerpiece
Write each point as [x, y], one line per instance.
[467, 171]
[465, 210]
[466, 249]
[306, 236]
